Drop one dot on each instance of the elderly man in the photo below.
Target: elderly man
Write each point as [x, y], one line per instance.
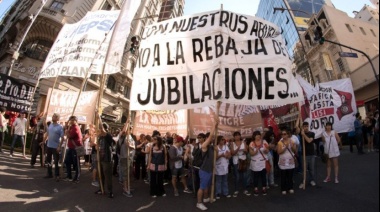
[54, 136]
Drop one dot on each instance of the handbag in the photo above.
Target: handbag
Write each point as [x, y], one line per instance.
[79, 150]
[242, 165]
[294, 157]
[268, 167]
[325, 157]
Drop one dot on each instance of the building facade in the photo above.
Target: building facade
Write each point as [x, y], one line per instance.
[326, 62]
[368, 14]
[171, 9]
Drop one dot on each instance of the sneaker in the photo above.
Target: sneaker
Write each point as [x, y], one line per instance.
[95, 183]
[247, 193]
[336, 180]
[228, 195]
[99, 192]
[217, 196]
[201, 207]
[283, 192]
[312, 183]
[176, 194]
[164, 195]
[11, 155]
[264, 192]
[327, 180]
[256, 192]
[236, 193]
[206, 200]
[110, 195]
[127, 194]
[187, 191]
[154, 196]
[301, 186]
[66, 179]
[291, 191]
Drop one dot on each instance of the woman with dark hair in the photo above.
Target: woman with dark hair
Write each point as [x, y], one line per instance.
[286, 150]
[157, 167]
[3, 127]
[222, 168]
[258, 149]
[331, 139]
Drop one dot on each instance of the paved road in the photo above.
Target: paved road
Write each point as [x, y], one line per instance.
[24, 189]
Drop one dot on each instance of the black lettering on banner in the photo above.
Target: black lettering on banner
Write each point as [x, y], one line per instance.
[281, 94]
[172, 90]
[202, 21]
[208, 48]
[243, 81]
[206, 87]
[278, 49]
[176, 26]
[213, 18]
[242, 20]
[180, 54]
[224, 16]
[219, 46]
[262, 49]
[144, 58]
[219, 95]
[155, 89]
[194, 23]
[147, 100]
[316, 124]
[255, 81]
[255, 28]
[192, 95]
[249, 50]
[197, 52]
[231, 45]
[233, 28]
[227, 82]
[170, 62]
[268, 83]
[184, 84]
[184, 29]
[156, 55]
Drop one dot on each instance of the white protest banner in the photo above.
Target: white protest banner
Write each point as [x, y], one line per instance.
[62, 102]
[163, 121]
[195, 61]
[233, 118]
[331, 102]
[120, 35]
[81, 47]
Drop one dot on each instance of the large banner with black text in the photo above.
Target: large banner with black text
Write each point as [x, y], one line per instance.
[63, 102]
[82, 47]
[195, 61]
[14, 95]
[332, 102]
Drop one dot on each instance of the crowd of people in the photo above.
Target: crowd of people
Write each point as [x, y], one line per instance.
[188, 163]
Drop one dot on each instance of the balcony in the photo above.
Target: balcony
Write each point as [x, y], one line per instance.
[57, 16]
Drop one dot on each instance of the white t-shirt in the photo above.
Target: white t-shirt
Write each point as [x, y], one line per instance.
[258, 160]
[240, 154]
[20, 126]
[222, 163]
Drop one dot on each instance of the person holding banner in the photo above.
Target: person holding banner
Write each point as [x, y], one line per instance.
[309, 136]
[286, 149]
[206, 169]
[74, 139]
[3, 127]
[18, 132]
[331, 142]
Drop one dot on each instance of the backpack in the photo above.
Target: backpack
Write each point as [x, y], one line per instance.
[198, 158]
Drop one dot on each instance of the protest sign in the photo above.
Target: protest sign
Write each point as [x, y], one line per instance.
[14, 95]
[332, 102]
[62, 102]
[195, 61]
[163, 121]
[82, 47]
[276, 116]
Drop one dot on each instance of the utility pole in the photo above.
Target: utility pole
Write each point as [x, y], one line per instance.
[16, 54]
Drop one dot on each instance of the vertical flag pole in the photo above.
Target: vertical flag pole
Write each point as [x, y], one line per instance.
[215, 154]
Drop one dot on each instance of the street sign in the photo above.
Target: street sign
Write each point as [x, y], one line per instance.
[348, 54]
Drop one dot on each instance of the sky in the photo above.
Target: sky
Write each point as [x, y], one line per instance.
[249, 7]
[4, 6]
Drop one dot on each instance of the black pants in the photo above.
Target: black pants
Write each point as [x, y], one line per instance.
[352, 142]
[52, 152]
[140, 165]
[262, 175]
[106, 172]
[157, 183]
[72, 159]
[36, 148]
[2, 136]
[287, 179]
[115, 164]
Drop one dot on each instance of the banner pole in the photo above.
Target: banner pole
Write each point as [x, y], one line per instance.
[303, 147]
[128, 150]
[215, 154]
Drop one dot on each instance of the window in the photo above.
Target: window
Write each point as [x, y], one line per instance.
[38, 49]
[111, 84]
[361, 29]
[106, 6]
[57, 5]
[127, 92]
[340, 64]
[373, 33]
[329, 75]
[94, 77]
[349, 28]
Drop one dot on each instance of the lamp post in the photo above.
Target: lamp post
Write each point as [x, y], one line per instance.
[16, 53]
[298, 33]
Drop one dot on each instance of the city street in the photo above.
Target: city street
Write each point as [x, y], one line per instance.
[24, 189]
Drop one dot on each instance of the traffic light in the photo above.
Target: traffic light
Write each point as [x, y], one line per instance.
[318, 33]
[134, 44]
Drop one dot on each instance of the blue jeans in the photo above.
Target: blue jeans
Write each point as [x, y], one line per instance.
[72, 159]
[222, 184]
[310, 166]
[240, 176]
[16, 138]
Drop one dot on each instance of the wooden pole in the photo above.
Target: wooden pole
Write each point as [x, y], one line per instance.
[215, 155]
[303, 147]
[128, 151]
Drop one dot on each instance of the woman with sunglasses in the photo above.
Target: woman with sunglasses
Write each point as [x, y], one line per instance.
[286, 149]
[258, 149]
[331, 139]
